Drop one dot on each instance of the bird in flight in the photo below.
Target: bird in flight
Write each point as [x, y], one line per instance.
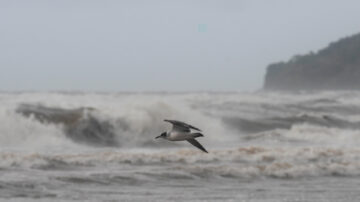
[182, 131]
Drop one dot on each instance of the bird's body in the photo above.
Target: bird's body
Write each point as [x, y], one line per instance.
[181, 136]
[182, 131]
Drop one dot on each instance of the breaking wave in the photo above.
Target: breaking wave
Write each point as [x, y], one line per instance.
[115, 120]
[272, 123]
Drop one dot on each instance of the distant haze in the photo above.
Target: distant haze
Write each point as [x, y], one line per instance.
[159, 45]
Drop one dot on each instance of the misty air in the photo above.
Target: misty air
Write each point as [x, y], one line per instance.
[252, 101]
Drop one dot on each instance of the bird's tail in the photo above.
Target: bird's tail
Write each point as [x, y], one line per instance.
[195, 135]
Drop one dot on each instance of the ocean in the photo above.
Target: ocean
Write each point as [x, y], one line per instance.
[263, 146]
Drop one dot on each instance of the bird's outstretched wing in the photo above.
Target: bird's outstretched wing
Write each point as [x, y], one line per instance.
[181, 126]
[197, 144]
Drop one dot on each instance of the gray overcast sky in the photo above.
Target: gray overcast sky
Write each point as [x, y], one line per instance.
[187, 45]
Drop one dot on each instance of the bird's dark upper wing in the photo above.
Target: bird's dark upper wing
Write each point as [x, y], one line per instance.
[181, 126]
[197, 144]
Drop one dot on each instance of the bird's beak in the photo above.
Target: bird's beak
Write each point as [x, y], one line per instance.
[158, 137]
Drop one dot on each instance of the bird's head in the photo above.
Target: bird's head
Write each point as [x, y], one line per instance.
[163, 135]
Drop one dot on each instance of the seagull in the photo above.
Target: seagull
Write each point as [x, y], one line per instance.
[182, 131]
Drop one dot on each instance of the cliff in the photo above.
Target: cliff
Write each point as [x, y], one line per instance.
[336, 67]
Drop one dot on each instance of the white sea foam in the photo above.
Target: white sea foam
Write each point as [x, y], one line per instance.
[59, 145]
[242, 162]
[299, 141]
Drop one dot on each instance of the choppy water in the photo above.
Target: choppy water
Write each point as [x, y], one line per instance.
[100, 147]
